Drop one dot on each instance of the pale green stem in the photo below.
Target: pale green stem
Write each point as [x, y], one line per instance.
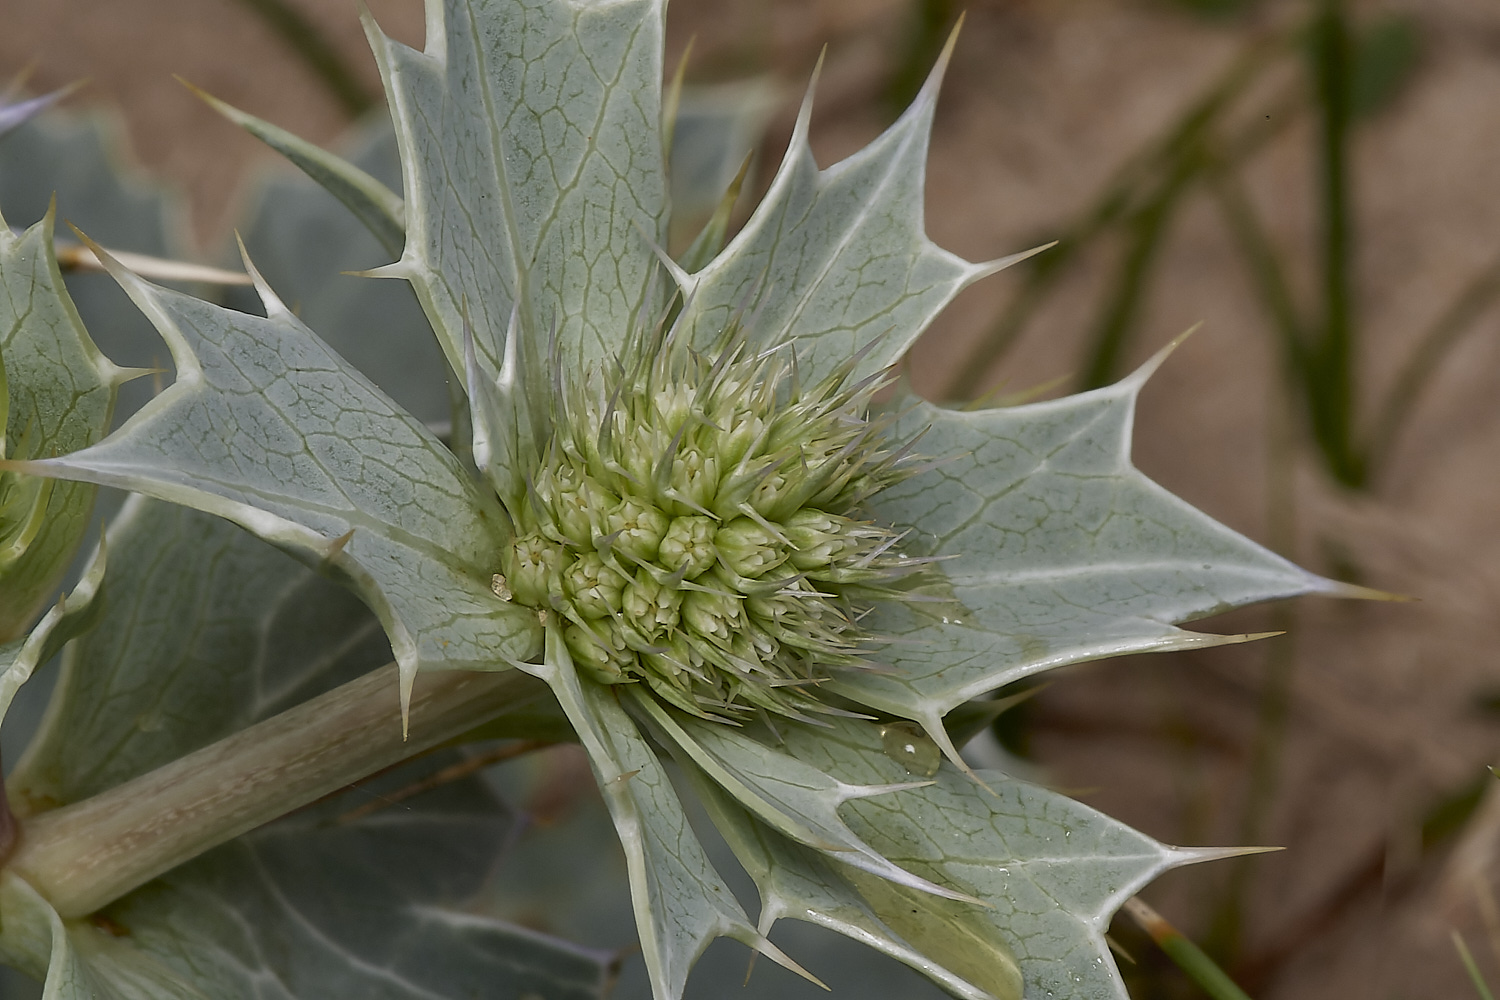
[83, 856]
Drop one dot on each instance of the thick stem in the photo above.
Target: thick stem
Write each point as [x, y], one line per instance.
[83, 856]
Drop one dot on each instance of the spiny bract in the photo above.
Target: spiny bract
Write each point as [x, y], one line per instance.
[697, 523]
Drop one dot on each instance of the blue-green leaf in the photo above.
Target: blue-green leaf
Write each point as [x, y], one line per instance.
[78, 960]
[797, 882]
[265, 425]
[788, 795]
[315, 907]
[837, 259]
[69, 617]
[312, 904]
[305, 243]
[1055, 550]
[1050, 870]
[681, 902]
[531, 153]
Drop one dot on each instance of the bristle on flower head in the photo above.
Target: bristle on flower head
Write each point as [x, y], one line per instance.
[696, 521]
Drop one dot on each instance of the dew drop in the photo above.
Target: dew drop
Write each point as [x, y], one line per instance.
[907, 744]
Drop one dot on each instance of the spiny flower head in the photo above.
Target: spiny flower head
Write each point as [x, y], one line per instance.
[696, 521]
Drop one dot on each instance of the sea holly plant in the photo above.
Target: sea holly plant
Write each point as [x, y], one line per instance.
[686, 506]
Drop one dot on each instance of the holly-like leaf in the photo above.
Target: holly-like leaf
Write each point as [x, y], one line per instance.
[59, 396]
[531, 154]
[79, 162]
[681, 902]
[790, 796]
[267, 426]
[1056, 549]
[836, 259]
[797, 882]
[304, 241]
[1051, 871]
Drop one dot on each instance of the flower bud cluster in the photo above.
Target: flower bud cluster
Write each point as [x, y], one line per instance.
[694, 523]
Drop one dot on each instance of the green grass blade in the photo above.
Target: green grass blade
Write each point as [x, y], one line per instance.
[1471, 967]
[1148, 230]
[1449, 329]
[1188, 956]
[316, 51]
[1118, 200]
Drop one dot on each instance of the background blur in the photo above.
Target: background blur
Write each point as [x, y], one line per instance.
[1316, 182]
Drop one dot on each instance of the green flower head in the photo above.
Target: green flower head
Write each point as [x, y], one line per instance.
[695, 523]
[689, 499]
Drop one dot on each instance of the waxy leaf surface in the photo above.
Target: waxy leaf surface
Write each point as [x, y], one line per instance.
[267, 426]
[785, 793]
[304, 241]
[70, 616]
[531, 153]
[681, 902]
[1051, 871]
[1055, 550]
[314, 907]
[76, 959]
[798, 882]
[836, 259]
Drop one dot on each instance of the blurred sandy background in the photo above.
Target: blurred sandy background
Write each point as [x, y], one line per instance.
[1387, 720]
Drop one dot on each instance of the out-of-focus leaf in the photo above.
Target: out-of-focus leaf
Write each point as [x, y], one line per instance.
[372, 203]
[78, 960]
[294, 910]
[76, 162]
[141, 690]
[309, 908]
[716, 128]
